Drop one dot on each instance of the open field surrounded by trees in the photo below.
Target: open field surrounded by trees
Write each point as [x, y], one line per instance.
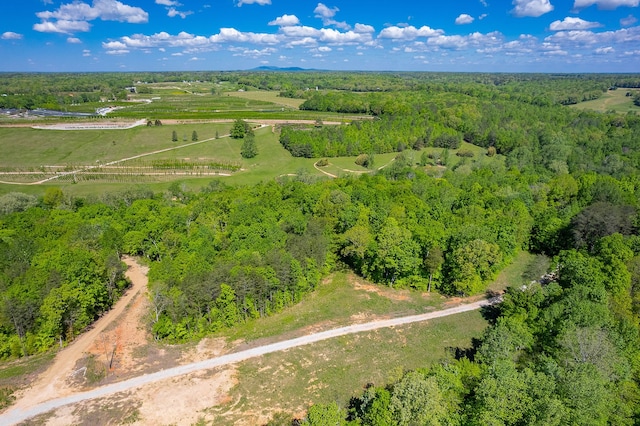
[620, 101]
[270, 203]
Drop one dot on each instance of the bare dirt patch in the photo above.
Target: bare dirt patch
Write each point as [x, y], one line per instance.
[184, 400]
[180, 401]
[54, 382]
[205, 349]
[116, 346]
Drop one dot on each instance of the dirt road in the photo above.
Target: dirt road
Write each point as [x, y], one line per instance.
[33, 404]
[52, 383]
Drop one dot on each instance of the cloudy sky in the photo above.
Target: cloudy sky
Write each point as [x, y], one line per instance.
[420, 35]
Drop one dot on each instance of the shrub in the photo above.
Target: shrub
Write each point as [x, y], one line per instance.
[364, 160]
[465, 153]
[323, 162]
[447, 141]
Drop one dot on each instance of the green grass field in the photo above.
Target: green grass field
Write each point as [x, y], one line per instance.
[612, 100]
[338, 369]
[26, 147]
[268, 96]
[31, 155]
[28, 150]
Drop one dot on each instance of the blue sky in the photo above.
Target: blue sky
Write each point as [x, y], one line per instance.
[371, 35]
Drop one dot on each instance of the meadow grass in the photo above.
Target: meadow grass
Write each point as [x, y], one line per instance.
[26, 147]
[271, 162]
[268, 96]
[179, 103]
[339, 369]
[336, 302]
[612, 100]
[515, 273]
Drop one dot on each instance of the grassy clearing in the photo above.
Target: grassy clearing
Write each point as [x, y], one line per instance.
[516, 273]
[26, 147]
[345, 298]
[612, 100]
[337, 369]
[272, 159]
[268, 96]
[18, 369]
[341, 299]
[182, 102]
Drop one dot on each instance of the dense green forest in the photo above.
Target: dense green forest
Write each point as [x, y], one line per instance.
[565, 185]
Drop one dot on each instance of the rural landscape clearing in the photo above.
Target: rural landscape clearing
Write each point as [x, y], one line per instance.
[51, 391]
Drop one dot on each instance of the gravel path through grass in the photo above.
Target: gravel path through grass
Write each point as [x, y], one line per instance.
[18, 414]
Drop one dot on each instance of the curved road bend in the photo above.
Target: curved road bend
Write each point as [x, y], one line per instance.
[16, 414]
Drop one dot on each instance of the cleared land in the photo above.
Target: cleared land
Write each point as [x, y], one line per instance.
[253, 390]
[25, 409]
[613, 100]
[91, 161]
[267, 96]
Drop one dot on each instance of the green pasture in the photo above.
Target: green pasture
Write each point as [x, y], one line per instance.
[27, 147]
[613, 100]
[180, 101]
[341, 298]
[267, 96]
[271, 162]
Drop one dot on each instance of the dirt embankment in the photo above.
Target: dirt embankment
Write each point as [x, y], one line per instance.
[53, 383]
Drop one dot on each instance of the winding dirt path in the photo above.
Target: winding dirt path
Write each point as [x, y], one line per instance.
[50, 392]
[52, 383]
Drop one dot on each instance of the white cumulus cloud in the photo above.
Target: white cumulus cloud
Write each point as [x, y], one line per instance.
[531, 8]
[62, 26]
[324, 12]
[605, 4]
[605, 50]
[107, 10]
[73, 40]
[408, 33]
[464, 19]
[285, 21]
[10, 35]
[570, 23]
[234, 36]
[363, 28]
[73, 17]
[172, 12]
[258, 2]
[628, 21]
